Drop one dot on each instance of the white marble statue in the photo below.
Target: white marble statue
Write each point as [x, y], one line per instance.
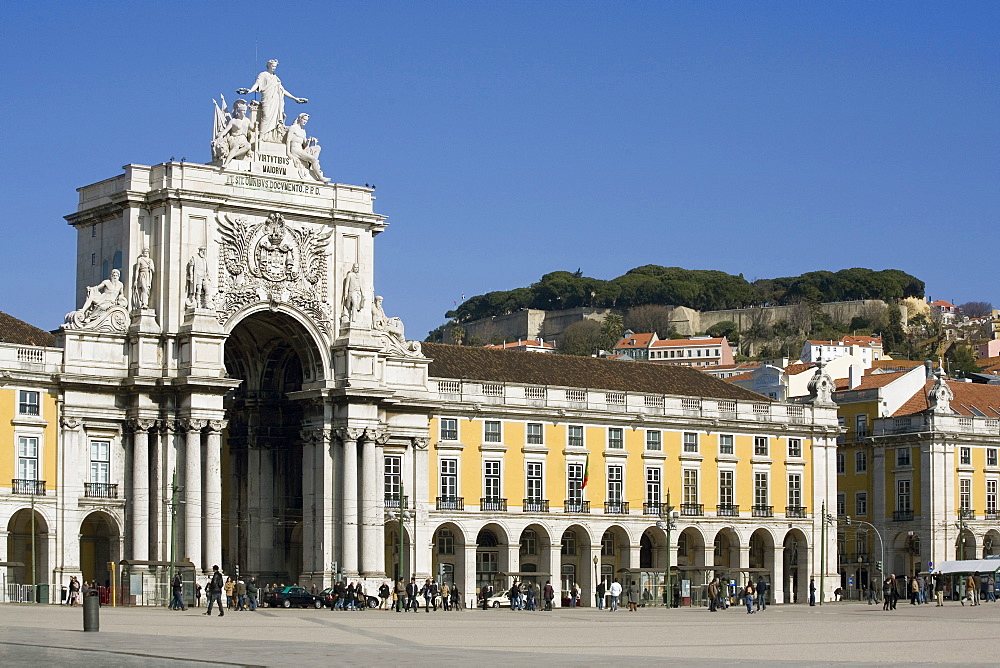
[271, 114]
[232, 132]
[821, 386]
[102, 299]
[197, 280]
[143, 273]
[354, 295]
[393, 329]
[304, 150]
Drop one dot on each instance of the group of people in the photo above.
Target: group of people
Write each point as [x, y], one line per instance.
[754, 595]
[613, 593]
[403, 597]
[920, 590]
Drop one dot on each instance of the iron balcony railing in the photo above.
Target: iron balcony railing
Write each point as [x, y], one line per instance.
[392, 501]
[763, 511]
[652, 508]
[493, 505]
[451, 503]
[992, 514]
[902, 515]
[27, 487]
[576, 506]
[100, 490]
[616, 507]
[795, 511]
[693, 509]
[967, 513]
[535, 505]
[727, 510]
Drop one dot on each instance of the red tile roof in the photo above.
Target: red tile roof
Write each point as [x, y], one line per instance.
[895, 365]
[17, 331]
[635, 341]
[985, 398]
[795, 369]
[538, 343]
[673, 343]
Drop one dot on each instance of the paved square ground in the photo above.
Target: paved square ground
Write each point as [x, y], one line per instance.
[828, 634]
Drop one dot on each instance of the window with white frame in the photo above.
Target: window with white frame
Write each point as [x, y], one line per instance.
[860, 461]
[491, 479]
[535, 433]
[529, 542]
[608, 544]
[991, 496]
[27, 458]
[392, 472]
[449, 429]
[445, 541]
[760, 446]
[795, 490]
[653, 485]
[727, 487]
[965, 456]
[860, 426]
[492, 431]
[449, 478]
[568, 546]
[615, 484]
[575, 436]
[965, 494]
[690, 486]
[690, 442]
[28, 403]
[574, 482]
[726, 446]
[861, 503]
[100, 461]
[760, 495]
[991, 456]
[795, 447]
[902, 457]
[616, 438]
[841, 504]
[903, 496]
[533, 488]
[841, 463]
[654, 439]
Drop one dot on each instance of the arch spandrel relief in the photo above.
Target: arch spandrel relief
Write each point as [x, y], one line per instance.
[274, 262]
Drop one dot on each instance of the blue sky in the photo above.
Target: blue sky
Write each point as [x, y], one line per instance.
[511, 139]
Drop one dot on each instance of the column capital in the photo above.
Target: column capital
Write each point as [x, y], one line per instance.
[217, 425]
[192, 424]
[167, 426]
[140, 424]
[70, 422]
[348, 433]
[421, 443]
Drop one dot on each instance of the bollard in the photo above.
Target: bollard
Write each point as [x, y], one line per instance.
[91, 610]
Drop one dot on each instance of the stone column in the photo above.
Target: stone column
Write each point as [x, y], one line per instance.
[309, 528]
[192, 492]
[778, 575]
[372, 540]
[155, 497]
[421, 528]
[554, 562]
[323, 493]
[469, 589]
[140, 488]
[213, 494]
[167, 465]
[349, 541]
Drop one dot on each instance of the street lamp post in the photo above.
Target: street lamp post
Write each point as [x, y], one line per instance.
[596, 560]
[667, 522]
[881, 545]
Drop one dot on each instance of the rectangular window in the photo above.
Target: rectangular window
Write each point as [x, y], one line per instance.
[903, 496]
[574, 482]
[534, 433]
[760, 495]
[726, 444]
[902, 456]
[491, 479]
[653, 486]
[727, 487]
[575, 436]
[795, 490]
[449, 478]
[616, 438]
[991, 456]
[690, 442]
[795, 447]
[615, 484]
[861, 503]
[841, 504]
[392, 474]
[27, 458]
[991, 496]
[965, 456]
[760, 447]
[100, 461]
[965, 494]
[860, 461]
[690, 486]
[653, 440]
[492, 433]
[860, 426]
[449, 429]
[533, 490]
[28, 403]
[841, 463]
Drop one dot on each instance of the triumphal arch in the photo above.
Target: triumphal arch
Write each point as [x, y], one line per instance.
[230, 345]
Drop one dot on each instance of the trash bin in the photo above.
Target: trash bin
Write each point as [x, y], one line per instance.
[91, 610]
[42, 593]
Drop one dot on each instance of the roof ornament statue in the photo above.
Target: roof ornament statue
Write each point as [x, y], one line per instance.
[821, 385]
[104, 309]
[940, 395]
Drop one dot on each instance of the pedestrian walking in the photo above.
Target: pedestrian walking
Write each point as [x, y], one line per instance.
[456, 597]
[230, 588]
[991, 589]
[601, 589]
[939, 590]
[713, 594]
[445, 596]
[252, 593]
[761, 593]
[383, 594]
[484, 593]
[574, 595]
[412, 590]
[616, 591]
[812, 591]
[633, 597]
[748, 597]
[215, 588]
[914, 591]
[530, 595]
[241, 595]
[176, 588]
[197, 594]
[399, 594]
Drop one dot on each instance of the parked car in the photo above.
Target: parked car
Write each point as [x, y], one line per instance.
[286, 597]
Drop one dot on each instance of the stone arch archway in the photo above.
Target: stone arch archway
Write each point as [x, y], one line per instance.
[448, 554]
[99, 544]
[492, 555]
[34, 554]
[795, 567]
[264, 525]
[575, 548]
[991, 544]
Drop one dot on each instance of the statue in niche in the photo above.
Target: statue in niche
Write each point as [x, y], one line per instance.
[197, 280]
[303, 150]
[102, 301]
[232, 133]
[271, 114]
[354, 295]
[393, 329]
[143, 273]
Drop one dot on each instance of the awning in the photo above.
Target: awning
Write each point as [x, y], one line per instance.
[968, 566]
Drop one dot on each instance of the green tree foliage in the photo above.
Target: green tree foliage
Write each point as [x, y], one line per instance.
[582, 338]
[726, 328]
[961, 361]
[611, 330]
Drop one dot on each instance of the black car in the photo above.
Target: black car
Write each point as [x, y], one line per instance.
[286, 597]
